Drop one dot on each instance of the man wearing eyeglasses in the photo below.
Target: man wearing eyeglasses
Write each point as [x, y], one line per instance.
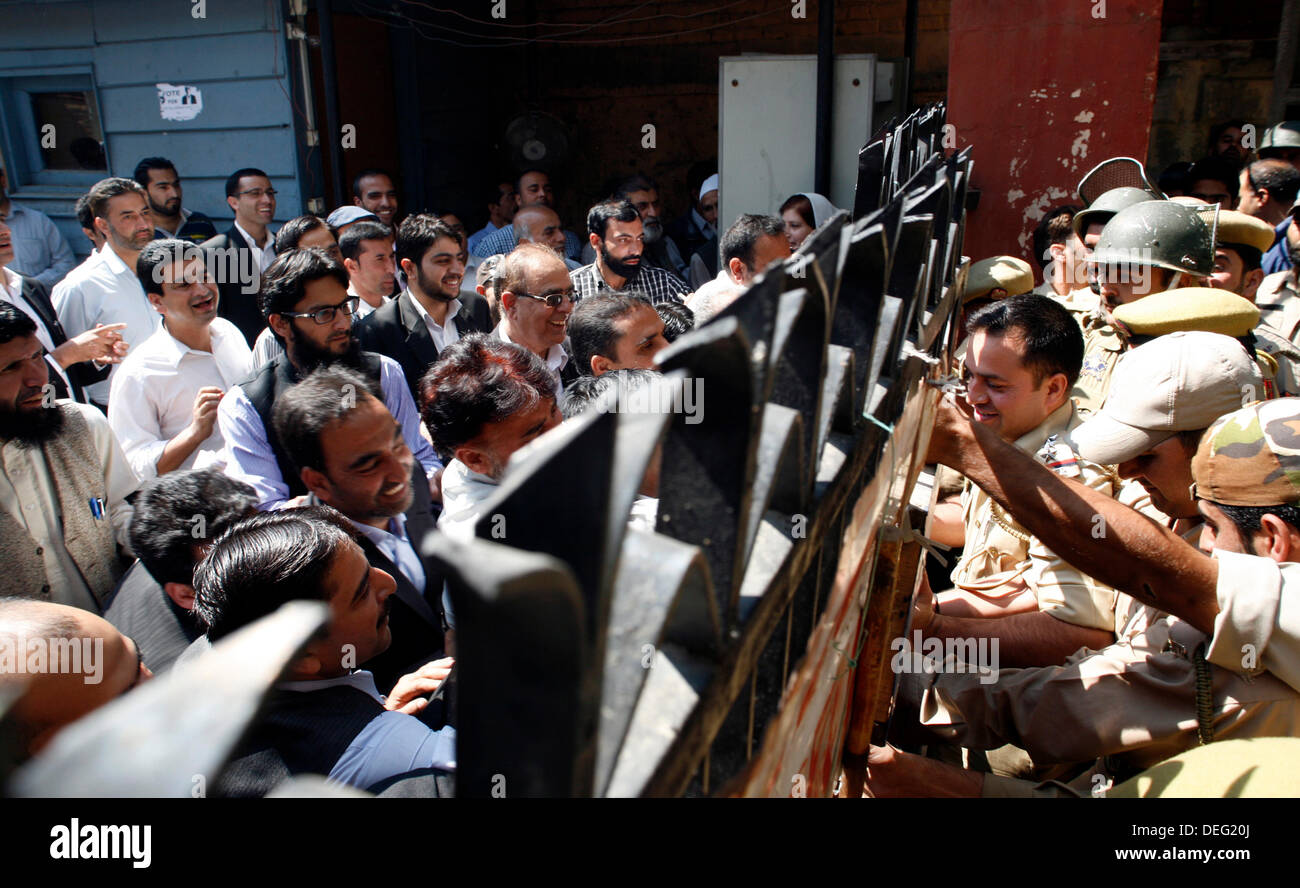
[244, 253]
[618, 237]
[536, 299]
[310, 313]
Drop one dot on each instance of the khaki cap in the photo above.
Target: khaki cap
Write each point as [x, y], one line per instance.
[1240, 228]
[1251, 457]
[998, 272]
[1175, 383]
[1189, 308]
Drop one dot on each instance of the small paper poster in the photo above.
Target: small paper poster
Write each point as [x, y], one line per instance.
[177, 102]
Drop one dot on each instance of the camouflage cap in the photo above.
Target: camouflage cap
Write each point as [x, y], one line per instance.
[1251, 457]
[998, 273]
[1189, 308]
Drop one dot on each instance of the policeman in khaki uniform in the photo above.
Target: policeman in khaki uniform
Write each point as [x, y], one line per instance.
[1007, 581]
[1146, 248]
[1278, 297]
[1109, 714]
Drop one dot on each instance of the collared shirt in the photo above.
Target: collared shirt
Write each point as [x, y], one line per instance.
[1279, 304]
[11, 290]
[472, 242]
[443, 334]
[364, 308]
[396, 545]
[28, 492]
[107, 293]
[659, 285]
[504, 239]
[39, 249]
[999, 551]
[264, 255]
[1103, 346]
[463, 493]
[248, 455]
[160, 232]
[152, 396]
[392, 743]
[194, 227]
[266, 349]
[1258, 624]
[556, 358]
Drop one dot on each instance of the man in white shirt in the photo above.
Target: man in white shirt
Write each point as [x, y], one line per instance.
[752, 243]
[108, 292]
[367, 251]
[163, 406]
[63, 482]
[246, 251]
[536, 297]
[414, 328]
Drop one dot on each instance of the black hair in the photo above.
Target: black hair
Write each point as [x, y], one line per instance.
[371, 171]
[142, 168]
[592, 329]
[633, 183]
[178, 510]
[85, 217]
[801, 205]
[232, 181]
[742, 237]
[477, 381]
[598, 217]
[1277, 177]
[14, 323]
[157, 254]
[1216, 170]
[106, 189]
[1174, 178]
[1053, 228]
[1052, 340]
[677, 318]
[303, 410]
[1219, 129]
[292, 232]
[417, 235]
[582, 393]
[264, 562]
[365, 230]
[496, 191]
[285, 282]
[1248, 518]
[1251, 257]
[519, 188]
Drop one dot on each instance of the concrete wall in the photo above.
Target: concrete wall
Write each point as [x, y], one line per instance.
[236, 55]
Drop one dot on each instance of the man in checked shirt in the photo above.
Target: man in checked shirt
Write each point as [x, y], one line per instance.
[616, 234]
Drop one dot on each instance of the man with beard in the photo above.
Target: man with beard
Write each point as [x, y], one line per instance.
[351, 455]
[63, 482]
[428, 315]
[162, 186]
[109, 291]
[617, 234]
[660, 249]
[374, 190]
[483, 400]
[163, 406]
[307, 306]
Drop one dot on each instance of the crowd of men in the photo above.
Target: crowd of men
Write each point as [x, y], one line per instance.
[198, 426]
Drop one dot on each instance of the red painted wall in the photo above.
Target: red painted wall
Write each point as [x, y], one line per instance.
[1044, 92]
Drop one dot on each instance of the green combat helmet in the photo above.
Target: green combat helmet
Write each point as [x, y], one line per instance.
[1158, 233]
[1104, 208]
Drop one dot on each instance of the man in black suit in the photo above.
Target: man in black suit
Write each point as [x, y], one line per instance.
[426, 317]
[351, 455]
[69, 359]
[177, 517]
[240, 256]
[536, 298]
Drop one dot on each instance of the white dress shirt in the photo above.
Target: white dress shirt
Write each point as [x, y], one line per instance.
[555, 359]
[443, 334]
[152, 399]
[107, 293]
[28, 492]
[264, 255]
[364, 308]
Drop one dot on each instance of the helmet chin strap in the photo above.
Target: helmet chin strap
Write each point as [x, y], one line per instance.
[1174, 282]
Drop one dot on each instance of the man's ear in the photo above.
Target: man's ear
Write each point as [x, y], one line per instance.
[280, 325]
[408, 268]
[1058, 388]
[308, 666]
[1055, 252]
[508, 302]
[595, 241]
[351, 266]
[181, 594]
[474, 459]
[736, 268]
[600, 365]
[101, 225]
[1250, 282]
[233, 203]
[317, 483]
[156, 301]
[1277, 539]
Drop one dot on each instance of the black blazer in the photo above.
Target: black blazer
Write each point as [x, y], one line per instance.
[569, 373]
[244, 310]
[397, 330]
[415, 620]
[37, 296]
